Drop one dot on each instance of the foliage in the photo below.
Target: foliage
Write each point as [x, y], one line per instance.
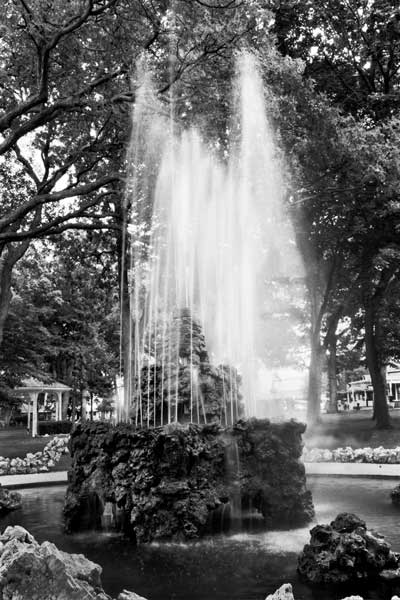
[106, 406]
[63, 322]
[66, 96]
[9, 405]
[54, 427]
[352, 50]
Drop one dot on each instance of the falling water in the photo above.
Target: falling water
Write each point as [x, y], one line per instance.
[210, 279]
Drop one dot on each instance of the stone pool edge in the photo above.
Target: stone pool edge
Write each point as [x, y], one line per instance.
[352, 469]
[27, 480]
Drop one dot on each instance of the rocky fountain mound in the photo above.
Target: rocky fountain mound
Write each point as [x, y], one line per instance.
[182, 482]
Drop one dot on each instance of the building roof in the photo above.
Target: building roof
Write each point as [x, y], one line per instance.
[31, 384]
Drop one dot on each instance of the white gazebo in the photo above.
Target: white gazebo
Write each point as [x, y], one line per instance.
[30, 391]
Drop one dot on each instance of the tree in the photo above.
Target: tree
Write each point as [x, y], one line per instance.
[63, 321]
[322, 178]
[352, 50]
[66, 98]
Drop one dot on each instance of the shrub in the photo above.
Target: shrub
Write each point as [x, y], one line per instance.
[21, 420]
[54, 427]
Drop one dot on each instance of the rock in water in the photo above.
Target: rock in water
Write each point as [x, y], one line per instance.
[285, 592]
[33, 571]
[9, 500]
[125, 595]
[346, 551]
[395, 495]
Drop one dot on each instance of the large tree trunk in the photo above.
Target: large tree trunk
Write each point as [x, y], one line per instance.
[5, 295]
[332, 376]
[315, 382]
[375, 366]
[9, 256]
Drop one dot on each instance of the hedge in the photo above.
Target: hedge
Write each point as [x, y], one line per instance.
[54, 427]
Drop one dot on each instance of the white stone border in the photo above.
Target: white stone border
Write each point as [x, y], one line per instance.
[352, 469]
[348, 454]
[34, 479]
[38, 462]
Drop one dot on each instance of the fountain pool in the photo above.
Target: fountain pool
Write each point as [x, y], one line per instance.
[236, 567]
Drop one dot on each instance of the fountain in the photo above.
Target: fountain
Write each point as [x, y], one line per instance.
[220, 251]
[211, 274]
[211, 281]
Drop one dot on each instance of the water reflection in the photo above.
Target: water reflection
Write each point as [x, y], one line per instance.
[238, 567]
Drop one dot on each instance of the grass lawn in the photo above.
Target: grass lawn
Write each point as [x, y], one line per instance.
[356, 429]
[16, 442]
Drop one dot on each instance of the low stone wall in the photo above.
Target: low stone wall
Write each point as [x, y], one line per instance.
[38, 462]
[181, 482]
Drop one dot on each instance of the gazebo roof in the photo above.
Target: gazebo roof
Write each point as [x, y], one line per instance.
[34, 385]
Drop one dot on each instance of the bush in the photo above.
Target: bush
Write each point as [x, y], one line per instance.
[54, 427]
[20, 420]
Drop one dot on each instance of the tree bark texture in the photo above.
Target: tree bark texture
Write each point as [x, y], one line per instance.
[9, 256]
[315, 382]
[375, 365]
[332, 379]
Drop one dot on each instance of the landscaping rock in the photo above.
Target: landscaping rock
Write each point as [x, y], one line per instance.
[16, 532]
[346, 551]
[125, 595]
[38, 462]
[347, 522]
[378, 455]
[9, 500]
[395, 495]
[285, 592]
[30, 571]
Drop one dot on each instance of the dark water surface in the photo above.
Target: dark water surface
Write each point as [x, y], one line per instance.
[238, 567]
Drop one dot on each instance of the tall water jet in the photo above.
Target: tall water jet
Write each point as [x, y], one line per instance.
[209, 275]
[219, 266]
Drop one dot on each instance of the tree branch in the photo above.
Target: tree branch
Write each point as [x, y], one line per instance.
[49, 113]
[40, 199]
[45, 229]
[27, 165]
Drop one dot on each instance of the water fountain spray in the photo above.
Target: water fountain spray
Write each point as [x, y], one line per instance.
[209, 266]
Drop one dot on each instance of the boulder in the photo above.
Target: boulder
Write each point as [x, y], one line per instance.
[9, 500]
[33, 571]
[16, 532]
[347, 522]
[347, 551]
[285, 592]
[125, 595]
[395, 495]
